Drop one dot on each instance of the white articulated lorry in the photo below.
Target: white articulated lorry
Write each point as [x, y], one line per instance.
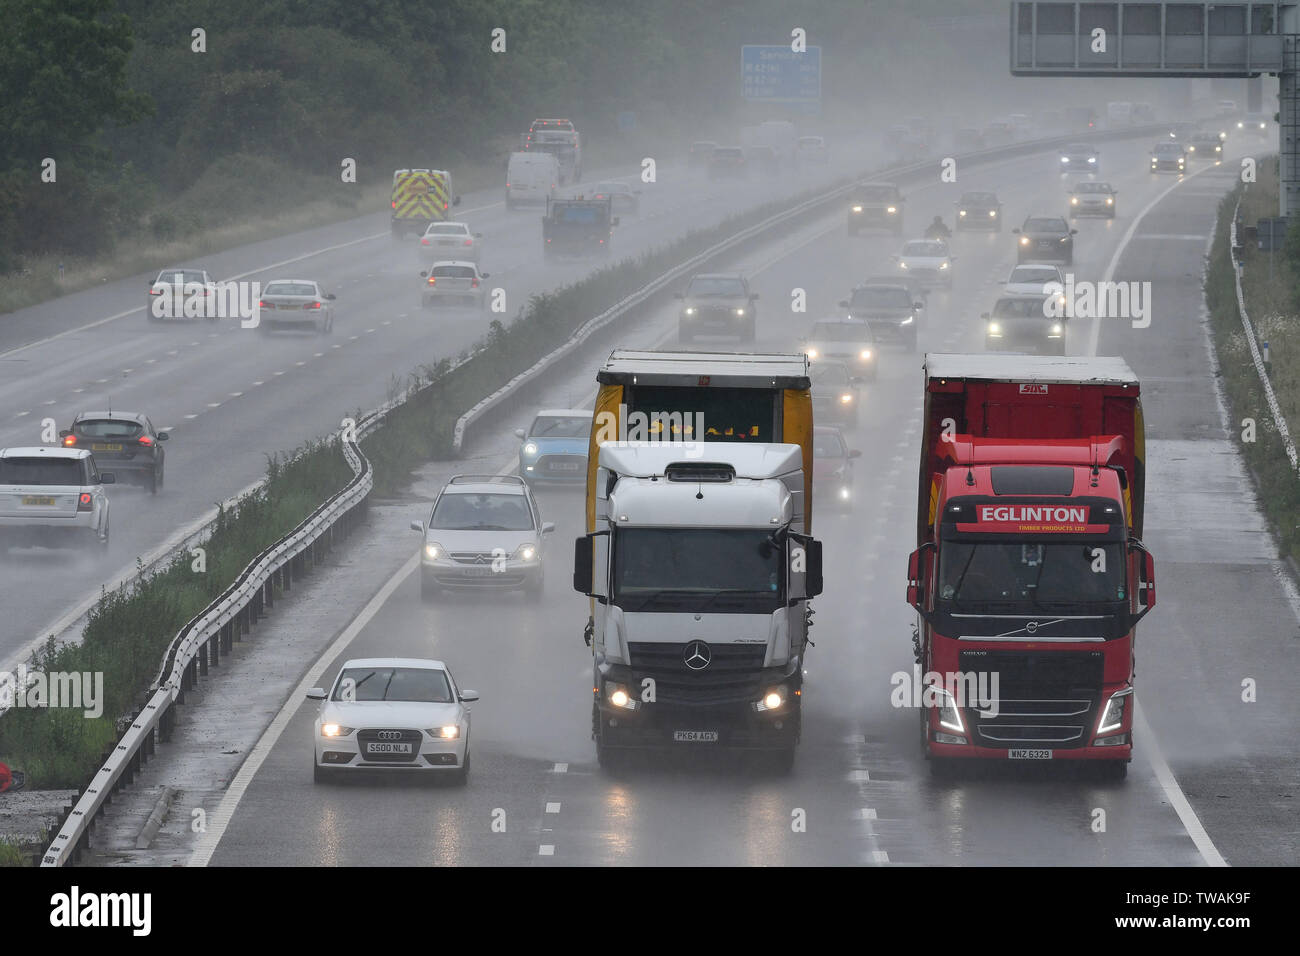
[701, 572]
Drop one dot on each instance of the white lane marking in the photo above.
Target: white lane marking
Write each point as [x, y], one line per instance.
[317, 354]
[21, 414]
[877, 856]
[235, 394]
[552, 808]
[300, 364]
[1174, 793]
[214, 404]
[1166, 235]
[546, 849]
[77, 391]
[220, 818]
[559, 767]
[255, 384]
[866, 813]
[1094, 332]
[277, 373]
[191, 416]
[859, 776]
[50, 402]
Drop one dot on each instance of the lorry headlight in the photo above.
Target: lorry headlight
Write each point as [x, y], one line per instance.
[334, 730]
[846, 398]
[530, 448]
[993, 213]
[961, 212]
[812, 353]
[1110, 201]
[857, 209]
[1024, 240]
[1065, 159]
[865, 355]
[902, 265]
[774, 698]
[1092, 159]
[1074, 200]
[943, 265]
[949, 714]
[908, 320]
[845, 493]
[433, 551]
[1112, 717]
[618, 696]
[740, 312]
[891, 209]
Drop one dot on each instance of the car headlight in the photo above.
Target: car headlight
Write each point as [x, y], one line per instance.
[689, 310]
[434, 552]
[1065, 239]
[1112, 718]
[1065, 159]
[961, 212]
[1110, 201]
[994, 328]
[857, 209]
[1074, 200]
[993, 213]
[526, 552]
[845, 493]
[1024, 240]
[1092, 159]
[902, 265]
[530, 448]
[740, 312]
[618, 696]
[891, 209]
[449, 732]
[908, 321]
[334, 730]
[943, 265]
[865, 355]
[812, 353]
[774, 698]
[846, 398]
[1056, 329]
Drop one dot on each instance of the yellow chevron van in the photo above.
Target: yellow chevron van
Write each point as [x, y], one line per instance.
[421, 196]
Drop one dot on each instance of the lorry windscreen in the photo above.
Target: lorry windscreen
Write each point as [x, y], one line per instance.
[1030, 575]
[694, 570]
[729, 414]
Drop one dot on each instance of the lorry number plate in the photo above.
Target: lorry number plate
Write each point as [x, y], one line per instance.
[1029, 754]
[696, 736]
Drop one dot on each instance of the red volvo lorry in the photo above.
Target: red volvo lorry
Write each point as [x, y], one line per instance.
[1029, 574]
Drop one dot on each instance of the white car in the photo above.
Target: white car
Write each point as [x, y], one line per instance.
[485, 531]
[295, 304]
[51, 495]
[443, 240]
[175, 288]
[1032, 278]
[394, 714]
[926, 261]
[811, 150]
[454, 280]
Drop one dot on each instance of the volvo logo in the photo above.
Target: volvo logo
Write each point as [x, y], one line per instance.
[1031, 627]
[389, 735]
[697, 655]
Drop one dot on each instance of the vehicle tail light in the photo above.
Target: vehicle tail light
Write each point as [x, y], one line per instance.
[155, 291]
[145, 440]
[265, 305]
[424, 242]
[312, 305]
[85, 502]
[469, 242]
[473, 283]
[69, 440]
[394, 203]
[432, 280]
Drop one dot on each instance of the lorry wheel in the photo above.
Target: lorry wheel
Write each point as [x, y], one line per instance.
[942, 768]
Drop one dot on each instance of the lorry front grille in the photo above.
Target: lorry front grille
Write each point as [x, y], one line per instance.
[734, 674]
[1044, 699]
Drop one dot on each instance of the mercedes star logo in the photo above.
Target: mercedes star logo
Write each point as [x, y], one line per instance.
[697, 655]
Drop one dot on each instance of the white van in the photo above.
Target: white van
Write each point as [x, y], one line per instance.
[531, 177]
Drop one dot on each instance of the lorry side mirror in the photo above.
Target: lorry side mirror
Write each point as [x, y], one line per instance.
[916, 578]
[813, 576]
[583, 565]
[1146, 581]
[855, 453]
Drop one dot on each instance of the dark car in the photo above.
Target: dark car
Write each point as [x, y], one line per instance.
[700, 151]
[1045, 239]
[1205, 145]
[1168, 157]
[763, 159]
[718, 303]
[125, 442]
[727, 162]
[835, 393]
[578, 226]
[890, 307]
[1025, 323]
[832, 470]
[878, 205]
[979, 211]
[967, 139]
[1080, 158]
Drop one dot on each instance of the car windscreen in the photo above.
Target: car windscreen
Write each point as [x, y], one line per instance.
[1046, 225]
[828, 445]
[289, 288]
[481, 512]
[445, 229]
[880, 297]
[924, 248]
[1092, 188]
[979, 199]
[876, 193]
[553, 426]
[454, 272]
[107, 428]
[1169, 149]
[40, 471]
[728, 152]
[412, 684]
[684, 570]
[1030, 307]
[715, 285]
[829, 375]
[840, 332]
[1034, 274]
[180, 278]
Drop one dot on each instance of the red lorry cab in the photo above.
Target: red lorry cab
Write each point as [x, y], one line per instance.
[1029, 573]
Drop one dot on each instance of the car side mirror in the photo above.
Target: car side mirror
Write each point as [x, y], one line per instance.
[1016, 230]
[417, 526]
[163, 436]
[316, 693]
[844, 303]
[468, 696]
[423, 274]
[107, 478]
[918, 305]
[65, 433]
[548, 527]
[484, 275]
[1074, 232]
[984, 315]
[753, 297]
[456, 201]
[916, 579]
[331, 297]
[813, 574]
[855, 453]
[520, 433]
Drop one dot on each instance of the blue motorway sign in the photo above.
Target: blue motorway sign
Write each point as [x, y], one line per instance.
[776, 74]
